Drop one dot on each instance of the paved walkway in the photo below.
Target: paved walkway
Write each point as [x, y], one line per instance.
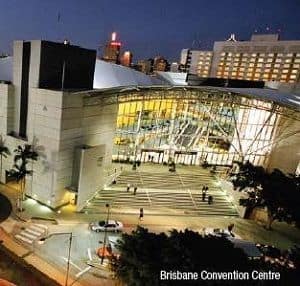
[160, 192]
[283, 235]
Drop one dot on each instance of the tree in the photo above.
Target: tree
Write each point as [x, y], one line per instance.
[145, 254]
[22, 157]
[19, 173]
[278, 192]
[4, 152]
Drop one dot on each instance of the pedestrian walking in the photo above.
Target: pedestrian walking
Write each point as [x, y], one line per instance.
[210, 200]
[203, 196]
[128, 188]
[134, 190]
[141, 214]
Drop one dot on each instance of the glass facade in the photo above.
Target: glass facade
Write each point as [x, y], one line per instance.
[163, 126]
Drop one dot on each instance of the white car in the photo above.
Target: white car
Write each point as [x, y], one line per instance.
[111, 225]
[220, 233]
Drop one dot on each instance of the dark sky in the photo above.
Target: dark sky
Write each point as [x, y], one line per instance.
[146, 27]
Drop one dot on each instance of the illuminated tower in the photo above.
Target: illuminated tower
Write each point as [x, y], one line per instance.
[112, 50]
[126, 59]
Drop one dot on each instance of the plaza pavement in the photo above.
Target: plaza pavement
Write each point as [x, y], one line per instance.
[283, 235]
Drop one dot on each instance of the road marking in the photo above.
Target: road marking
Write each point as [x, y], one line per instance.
[72, 263]
[23, 238]
[192, 198]
[148, 196]
[83, 271]
[89, 254]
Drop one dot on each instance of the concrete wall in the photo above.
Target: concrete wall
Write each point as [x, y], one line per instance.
[90, 173]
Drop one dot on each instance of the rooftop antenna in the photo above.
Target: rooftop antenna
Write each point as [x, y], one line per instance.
[231, 38]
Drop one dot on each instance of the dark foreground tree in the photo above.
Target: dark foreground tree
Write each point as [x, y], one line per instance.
[145, 254]
[278, 192]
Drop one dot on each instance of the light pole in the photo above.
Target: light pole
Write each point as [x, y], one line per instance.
[105, 235]
[42, 240]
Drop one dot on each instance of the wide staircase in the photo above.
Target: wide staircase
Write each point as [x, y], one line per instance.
[161, 193]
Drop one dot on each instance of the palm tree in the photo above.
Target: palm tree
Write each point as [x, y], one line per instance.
[19, 172]
[4, 152]
[23, 155]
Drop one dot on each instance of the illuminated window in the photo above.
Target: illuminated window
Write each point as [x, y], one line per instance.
[271, 55]
[260, 60]
[280, 55]
[252, 60]
[296, 65]
[286, 65]
[297, 60]
[267, 70]
[269, 60]
[275, 71]
[289, 55]
[226, 73]
[233, 73]
[229, 54]
[293, 76]
[250, 69]
[285, 71]
[223, 54]
[242, 69]
[278, 60]
[283, 76]
[251, 65]
[276, 65]
[253, 55]
[249, 74]
[288, 60]
[257, 74]
[259, 65]
[268, 65]
[294, 71]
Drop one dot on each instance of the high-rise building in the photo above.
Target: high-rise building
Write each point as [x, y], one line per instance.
[145, 66]
[196, 62]
[126, 59]
[160, 64]
[174, 67]
[264, 58]
[112, 50]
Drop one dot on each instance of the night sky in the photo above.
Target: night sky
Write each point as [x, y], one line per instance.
[145, 27]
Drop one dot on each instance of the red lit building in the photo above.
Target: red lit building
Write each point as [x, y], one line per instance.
[112, 50]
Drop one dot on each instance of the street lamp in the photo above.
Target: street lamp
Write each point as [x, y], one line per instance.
[42, 240]
[105, 235]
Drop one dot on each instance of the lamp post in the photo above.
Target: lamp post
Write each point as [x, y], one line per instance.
[42, 240]
[105, 235]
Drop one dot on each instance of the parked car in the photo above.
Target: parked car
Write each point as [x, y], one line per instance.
[111, 225]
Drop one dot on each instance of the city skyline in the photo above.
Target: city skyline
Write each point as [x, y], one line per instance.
[164, 29]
